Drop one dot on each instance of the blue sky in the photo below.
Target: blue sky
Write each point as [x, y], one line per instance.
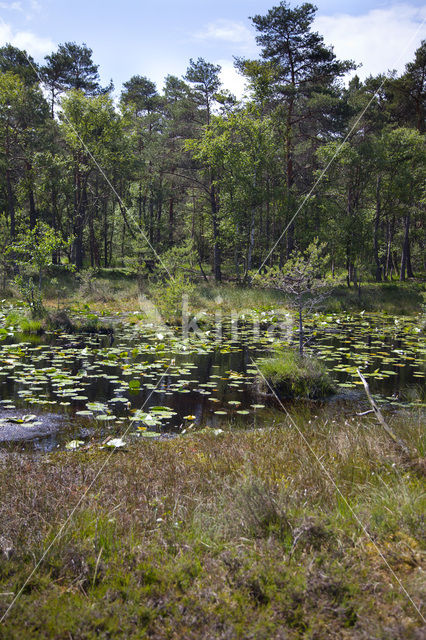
[154, 38]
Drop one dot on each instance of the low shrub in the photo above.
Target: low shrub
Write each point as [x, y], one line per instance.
[291, 376]
[92, 288]
[168, 298]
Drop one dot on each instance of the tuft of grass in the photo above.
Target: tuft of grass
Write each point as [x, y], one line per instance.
[23, 322]
[294, 377]
[60, 320]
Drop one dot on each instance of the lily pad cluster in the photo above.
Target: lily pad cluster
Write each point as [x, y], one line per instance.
[159, 380]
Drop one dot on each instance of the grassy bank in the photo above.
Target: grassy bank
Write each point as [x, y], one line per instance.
[240, 535]
[112, 290]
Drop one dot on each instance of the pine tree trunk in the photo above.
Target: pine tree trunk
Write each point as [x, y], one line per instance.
[405, 249]
[268, 224]
[171, 221]
[290, 177]
[250, 242]
[55, 254]
[376, 231]
[105, 233]
[10, 204]
[301, 335]
[216, 248]
[31, 201]
[79, 212]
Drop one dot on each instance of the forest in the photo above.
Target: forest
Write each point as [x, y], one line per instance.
[219, 185]
[212, 346]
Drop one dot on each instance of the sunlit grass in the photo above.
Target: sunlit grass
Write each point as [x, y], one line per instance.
[212, 536]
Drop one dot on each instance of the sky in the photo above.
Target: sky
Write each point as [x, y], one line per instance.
[156, 38]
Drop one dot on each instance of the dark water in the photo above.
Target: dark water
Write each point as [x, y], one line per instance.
[211, 377]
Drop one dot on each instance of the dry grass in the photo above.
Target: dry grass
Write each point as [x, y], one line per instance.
[235, 536]
[107, 291]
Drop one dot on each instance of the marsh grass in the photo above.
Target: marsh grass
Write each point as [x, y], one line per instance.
[23, 321]
[233, 536]
[118, 290]
[401, 298]
[292, 376]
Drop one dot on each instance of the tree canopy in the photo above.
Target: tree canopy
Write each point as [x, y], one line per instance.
[230, 185]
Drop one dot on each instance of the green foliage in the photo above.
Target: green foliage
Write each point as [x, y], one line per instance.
[169, 298]
[302, 278]
[179, 257]
[25, 324]
[32, 252]
[192, 165]
[294, 377]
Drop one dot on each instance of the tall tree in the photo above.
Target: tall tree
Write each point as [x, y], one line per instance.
[409, 92]
[141, 93]
[23, 112]
[20, 63]
[302, 65]
[205, 78]
[72, 67]
[94, 136]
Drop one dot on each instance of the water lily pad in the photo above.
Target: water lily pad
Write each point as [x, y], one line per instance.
[115, 443]
[74, 444]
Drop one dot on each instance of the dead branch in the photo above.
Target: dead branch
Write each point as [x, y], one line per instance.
[402, 446]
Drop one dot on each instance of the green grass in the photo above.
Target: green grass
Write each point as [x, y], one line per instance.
[401, 298]
[23, 322]
[240, 535]
[229, 297]
[291, 376]
[119, 290]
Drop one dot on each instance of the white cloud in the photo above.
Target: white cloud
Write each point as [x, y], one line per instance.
[33, 44]
[231, 79]
[11, 6]
[382, 39]
[226, 30]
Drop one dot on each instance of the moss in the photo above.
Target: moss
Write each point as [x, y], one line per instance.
[291, 376]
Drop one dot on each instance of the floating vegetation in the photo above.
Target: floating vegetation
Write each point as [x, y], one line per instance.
[288, 375]
[161, 381]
